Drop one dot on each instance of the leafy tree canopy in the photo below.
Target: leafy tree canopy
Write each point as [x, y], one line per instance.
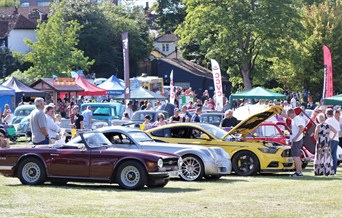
[55, 51]
[239, 34]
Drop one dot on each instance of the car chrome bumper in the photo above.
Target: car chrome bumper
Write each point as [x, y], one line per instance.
[170, 173]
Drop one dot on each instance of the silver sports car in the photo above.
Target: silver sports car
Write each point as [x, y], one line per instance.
[198, 161]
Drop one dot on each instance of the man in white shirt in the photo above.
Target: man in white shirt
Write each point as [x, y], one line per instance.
[337, 115]
[334, 141]
[129, 110]
[296, 139]
[52, 128]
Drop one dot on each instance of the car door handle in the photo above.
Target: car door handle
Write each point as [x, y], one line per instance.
[56, 155]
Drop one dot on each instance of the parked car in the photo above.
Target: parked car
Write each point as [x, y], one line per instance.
[198, 161]
[213, 118]
[91, 160]
[21, 112]
[106, 112]
[248, 157]
[139, 117]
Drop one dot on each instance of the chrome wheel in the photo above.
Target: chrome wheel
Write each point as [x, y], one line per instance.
[192, 168]
[130, 176]
[31, 171]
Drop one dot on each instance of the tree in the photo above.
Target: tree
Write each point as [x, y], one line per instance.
[8, 63]
[100, 39]
[239, 34]
[303, 67]
[170, 13]
[8, 3]
[55, 51]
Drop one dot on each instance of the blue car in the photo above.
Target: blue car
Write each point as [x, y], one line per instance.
[107, 112]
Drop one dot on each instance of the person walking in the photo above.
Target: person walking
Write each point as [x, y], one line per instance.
[52, 128]
[323, 162]
[296, 139]
[38, 123]
[87, 117]
[7, 114]
[331, 120]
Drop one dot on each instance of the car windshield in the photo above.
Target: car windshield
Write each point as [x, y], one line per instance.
[94, 140]
[216, 131]
[23, 112]
[140, 136]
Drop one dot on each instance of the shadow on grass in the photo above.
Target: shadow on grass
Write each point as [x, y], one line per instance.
[307, 176]
[223, 179]
[113, 187]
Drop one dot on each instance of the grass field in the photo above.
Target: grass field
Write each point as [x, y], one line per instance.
[271, 195]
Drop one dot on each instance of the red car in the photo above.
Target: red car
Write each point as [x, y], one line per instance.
[93, 160]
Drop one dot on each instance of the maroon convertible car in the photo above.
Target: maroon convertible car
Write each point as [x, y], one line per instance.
[93, 160]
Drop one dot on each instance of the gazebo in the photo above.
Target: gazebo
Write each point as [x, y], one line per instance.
[89, 89]
[334, 100]
[255, 93]
[6, 97]
[141, 94]
[22, 90]
[113, 85]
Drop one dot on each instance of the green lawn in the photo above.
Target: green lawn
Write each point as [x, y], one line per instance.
[269, 195]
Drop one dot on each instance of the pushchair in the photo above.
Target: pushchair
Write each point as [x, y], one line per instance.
[9, 131]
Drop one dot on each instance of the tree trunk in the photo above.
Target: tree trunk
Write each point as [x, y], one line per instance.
[245, 75]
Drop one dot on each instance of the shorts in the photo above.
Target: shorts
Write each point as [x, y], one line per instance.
[296, 148]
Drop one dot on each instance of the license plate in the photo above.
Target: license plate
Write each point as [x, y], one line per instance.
[173, 174]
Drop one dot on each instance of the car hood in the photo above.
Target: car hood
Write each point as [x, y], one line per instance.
[246, 126]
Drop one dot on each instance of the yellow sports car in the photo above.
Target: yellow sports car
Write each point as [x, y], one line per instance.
[248, 157]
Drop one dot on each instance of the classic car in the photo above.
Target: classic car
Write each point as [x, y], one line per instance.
[20, 113]
[91, 160]
[248, 157]
[106, 112]
[198, 161]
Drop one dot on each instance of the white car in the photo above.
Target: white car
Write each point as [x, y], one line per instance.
[198, 161]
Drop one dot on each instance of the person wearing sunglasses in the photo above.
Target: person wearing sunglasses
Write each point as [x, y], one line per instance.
[3, 142]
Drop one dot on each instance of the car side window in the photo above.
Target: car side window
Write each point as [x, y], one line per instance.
[158, 133]
[180, 133]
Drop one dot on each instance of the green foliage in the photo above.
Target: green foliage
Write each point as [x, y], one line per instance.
[8, 3]
[100, 39]
[170, 13]
[27, 78]
[240, 35]
[55, 51]
[8, 63]
[303, 67]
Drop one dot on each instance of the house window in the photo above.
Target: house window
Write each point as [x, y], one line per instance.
[25, 4]
[167, 47]
[163, 47]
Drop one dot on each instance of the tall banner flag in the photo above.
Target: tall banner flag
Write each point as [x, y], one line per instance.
[328, 85]
[218, 85]
[124, 37]
[172, 89]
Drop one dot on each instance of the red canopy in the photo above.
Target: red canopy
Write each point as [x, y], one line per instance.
[89, 89]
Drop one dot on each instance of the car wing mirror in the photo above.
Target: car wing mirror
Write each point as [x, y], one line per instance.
[205, 137]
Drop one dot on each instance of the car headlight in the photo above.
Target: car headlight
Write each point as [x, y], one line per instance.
[270, 150]
[180, 162]
[160, 163]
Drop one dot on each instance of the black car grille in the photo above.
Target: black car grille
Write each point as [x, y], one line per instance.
[286, 153]
[170, 162]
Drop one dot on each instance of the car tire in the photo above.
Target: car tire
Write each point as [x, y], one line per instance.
[13, 138]
[131, 175]
[192, 168]
[245, 163]
[159, 185]
[31, 171]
